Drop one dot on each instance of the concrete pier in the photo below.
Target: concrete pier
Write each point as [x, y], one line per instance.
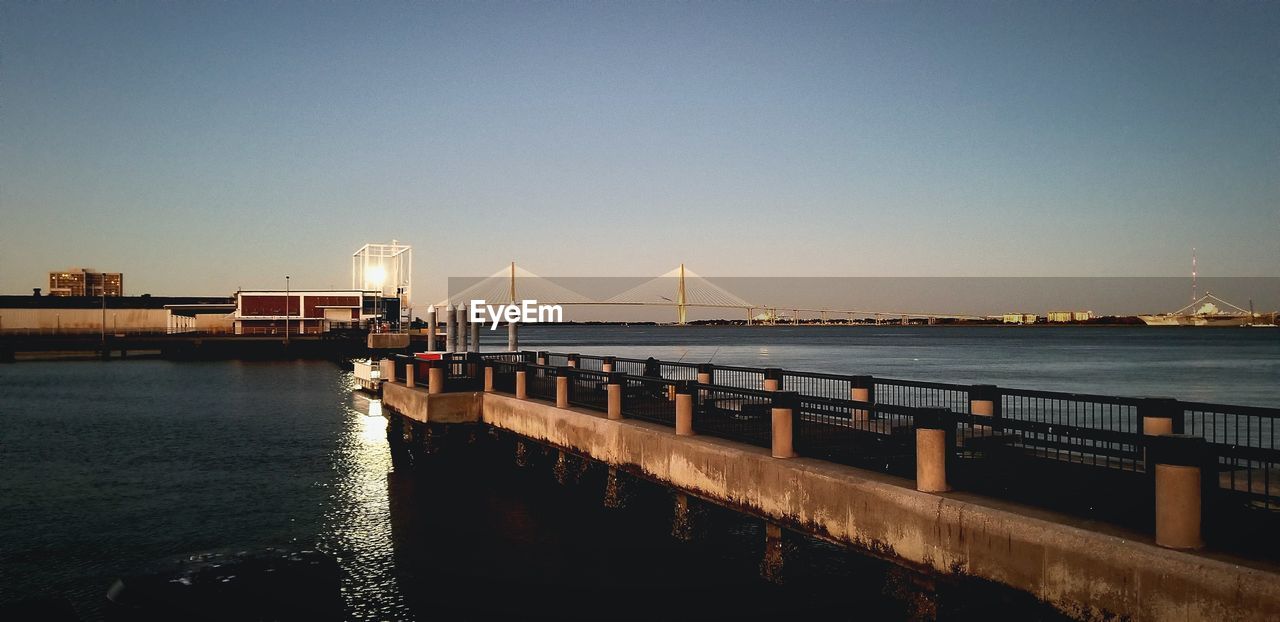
[1083, 571]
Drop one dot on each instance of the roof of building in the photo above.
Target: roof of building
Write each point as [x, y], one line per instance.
[113, 302]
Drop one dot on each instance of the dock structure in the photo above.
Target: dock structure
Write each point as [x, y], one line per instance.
[954, 480]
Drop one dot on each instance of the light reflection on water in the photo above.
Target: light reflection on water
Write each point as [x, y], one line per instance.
[357, 525]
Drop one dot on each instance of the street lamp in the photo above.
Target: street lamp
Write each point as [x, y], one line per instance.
[286, 309]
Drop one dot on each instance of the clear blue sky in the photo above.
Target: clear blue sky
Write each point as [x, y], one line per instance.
[203, 146]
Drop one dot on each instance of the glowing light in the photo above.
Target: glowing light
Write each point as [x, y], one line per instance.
[375, 275]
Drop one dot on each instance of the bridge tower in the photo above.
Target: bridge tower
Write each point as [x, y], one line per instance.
[680, 298]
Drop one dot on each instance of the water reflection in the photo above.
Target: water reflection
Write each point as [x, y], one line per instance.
[357, 524]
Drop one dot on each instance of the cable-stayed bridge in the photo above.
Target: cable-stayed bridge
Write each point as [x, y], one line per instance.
[679, 289]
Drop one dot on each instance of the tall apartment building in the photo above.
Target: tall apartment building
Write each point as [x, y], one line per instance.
[85, 282]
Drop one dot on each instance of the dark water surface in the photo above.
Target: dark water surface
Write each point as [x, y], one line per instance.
[108, 469]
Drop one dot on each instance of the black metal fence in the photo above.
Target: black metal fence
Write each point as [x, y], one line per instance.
[1090, 450]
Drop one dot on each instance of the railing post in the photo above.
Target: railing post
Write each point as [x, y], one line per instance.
[984, 401]
[562, 387]
[573, 360]
[862, 389]
[1179, 479]
[772, 379]
[522, 381]
[614, 390]
[935, 427]
[488, 376]
[1161, 416]
[435, 378]
[606, 366]
[684, 409]
[782, 443]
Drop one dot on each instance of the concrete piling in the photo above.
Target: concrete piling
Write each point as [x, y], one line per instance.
[475, 337]
[450, 327]
[431, 328]
[984, 401]
[562, 387]
[1160, 416]
[435, 378]
[772, 379]
[684, 410]
[522, 382]
[1179, 481]
[513, 338]
[614, 392]
[461, 345]
[862, 389]
[408, 375]
[607, 365]
[488, 377]
[934, 431]
[782, 414]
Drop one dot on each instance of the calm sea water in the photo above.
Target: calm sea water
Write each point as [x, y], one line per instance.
[109, 469]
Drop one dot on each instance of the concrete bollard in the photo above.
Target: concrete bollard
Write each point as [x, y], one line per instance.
[522, 383]
[488, 377]
[562, 387]
[935, 429]
[984, 401]
[684, 410]
[1161, 416]
[450, 327]
[782, 413]
[1179, 481]
[706, 373]
[607, 365]
[772, 379]
[541, 357]
[513, 337]
[435, 378]
[861, 389]
[614, 391]
[573, 360]
[408, 375]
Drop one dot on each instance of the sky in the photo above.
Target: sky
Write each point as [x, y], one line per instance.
[204, 147]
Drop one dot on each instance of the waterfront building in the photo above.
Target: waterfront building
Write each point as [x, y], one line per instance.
[1069, 316]
[268, 312]
[113, 314]
[85, 282]
[1020, 318]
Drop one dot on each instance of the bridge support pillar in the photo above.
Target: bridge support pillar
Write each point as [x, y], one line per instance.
[522, 384]
[782, 414]
[1179, 482]
[562, 388]
[614, 393]
[684, 410]
[435, 378]
[771, 565]
[935, 431]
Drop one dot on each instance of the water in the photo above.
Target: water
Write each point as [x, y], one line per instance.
[1224, 365]
[111, 468]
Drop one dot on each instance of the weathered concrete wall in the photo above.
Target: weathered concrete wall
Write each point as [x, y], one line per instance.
[442, 408]
[1087, 574]
[84, 319]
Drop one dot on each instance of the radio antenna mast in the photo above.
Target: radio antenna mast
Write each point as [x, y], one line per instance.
[1193, 274]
